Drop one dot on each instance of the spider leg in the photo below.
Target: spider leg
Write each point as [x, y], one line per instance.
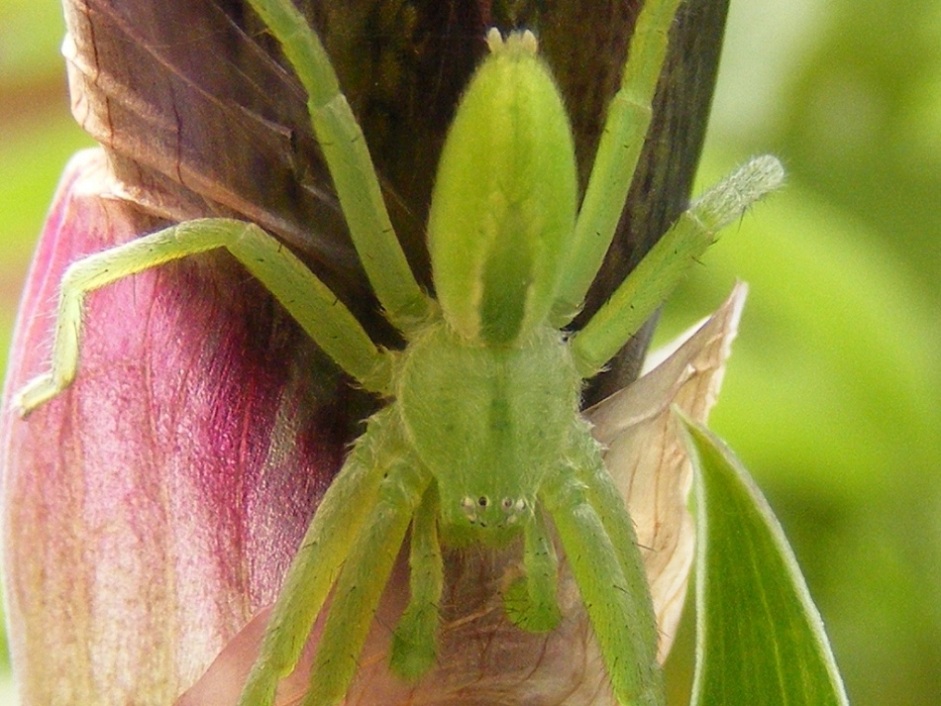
[619, 148]
[530, 601]
[414, 643]
[347, 156]
[364, 575]
[338, 520]
[649, 284]
[326, 320]
[622, 619]
[605, 497]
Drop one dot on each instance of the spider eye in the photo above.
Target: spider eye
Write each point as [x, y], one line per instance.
[483, 501]
[507, 503]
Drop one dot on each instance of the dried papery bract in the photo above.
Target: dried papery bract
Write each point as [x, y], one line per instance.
[647, 458]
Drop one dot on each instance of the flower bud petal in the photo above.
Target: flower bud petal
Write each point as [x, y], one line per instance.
[151, 509]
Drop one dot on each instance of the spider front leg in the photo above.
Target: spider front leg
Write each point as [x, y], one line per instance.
[342, 513]
[414, 643]
[358, 526]
[326, 320]
[617, 601]
[603, 495]
[362, 580]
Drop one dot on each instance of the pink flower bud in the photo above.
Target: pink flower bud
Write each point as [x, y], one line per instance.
[151, 509]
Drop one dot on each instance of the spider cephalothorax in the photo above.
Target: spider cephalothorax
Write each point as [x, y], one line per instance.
[480, 439]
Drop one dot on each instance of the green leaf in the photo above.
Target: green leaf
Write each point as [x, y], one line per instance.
[760, 637]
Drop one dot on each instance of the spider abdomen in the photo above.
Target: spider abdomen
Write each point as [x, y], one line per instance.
[504, 203]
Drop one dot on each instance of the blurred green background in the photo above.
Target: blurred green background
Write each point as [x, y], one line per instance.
[832, 395]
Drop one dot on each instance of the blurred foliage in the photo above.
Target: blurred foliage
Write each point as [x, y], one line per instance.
[832, 395]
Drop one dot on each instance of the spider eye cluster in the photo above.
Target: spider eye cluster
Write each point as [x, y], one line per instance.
[483, 511]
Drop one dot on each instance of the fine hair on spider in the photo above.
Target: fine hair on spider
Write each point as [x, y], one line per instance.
[481, 440]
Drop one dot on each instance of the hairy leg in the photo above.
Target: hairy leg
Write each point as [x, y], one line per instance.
[619, 149]
[306, 298]
[342, 513]
[622, 623]
[347, 156]
[414, 643]
[604, 496]
[362, 580]
[666, 264]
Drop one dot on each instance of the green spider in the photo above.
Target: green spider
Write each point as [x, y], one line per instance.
[482, 440]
